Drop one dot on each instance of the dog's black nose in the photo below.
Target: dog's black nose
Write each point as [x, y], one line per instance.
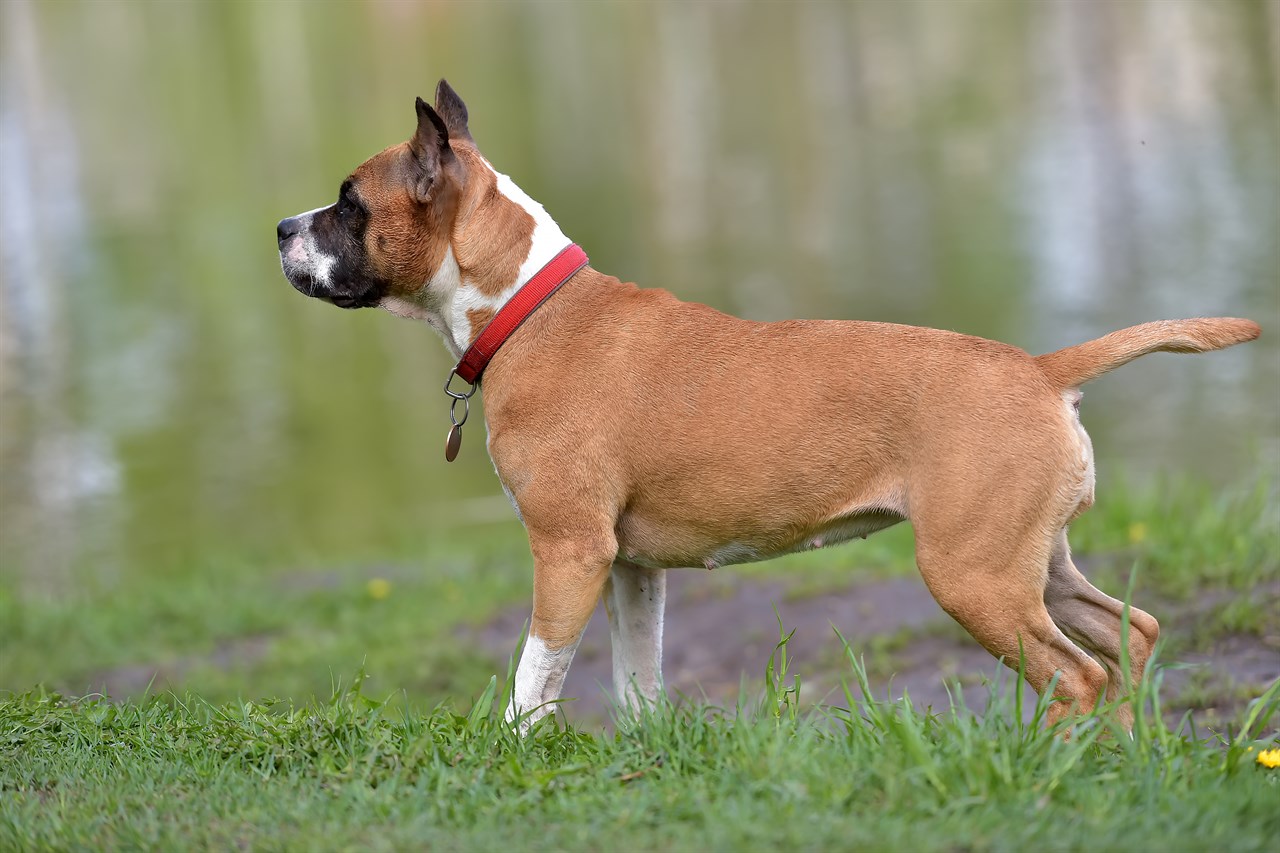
[287, 228]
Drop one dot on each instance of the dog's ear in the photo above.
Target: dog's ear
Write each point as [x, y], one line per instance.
[431, 151]
[452, 110]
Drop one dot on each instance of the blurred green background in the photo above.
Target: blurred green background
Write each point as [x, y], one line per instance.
[192, 454]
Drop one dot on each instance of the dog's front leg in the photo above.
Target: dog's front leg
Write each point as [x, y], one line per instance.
[634, 598]
[568, 578]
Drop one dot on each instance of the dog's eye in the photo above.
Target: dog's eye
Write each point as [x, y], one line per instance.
[346, 204]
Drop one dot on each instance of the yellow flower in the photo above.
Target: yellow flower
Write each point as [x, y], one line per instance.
[1137, 532]
[378, 588]
[1269, 758]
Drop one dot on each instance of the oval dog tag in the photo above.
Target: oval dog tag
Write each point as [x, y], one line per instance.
[453, 443]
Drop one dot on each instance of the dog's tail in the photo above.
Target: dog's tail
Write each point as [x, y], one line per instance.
[1074, 366]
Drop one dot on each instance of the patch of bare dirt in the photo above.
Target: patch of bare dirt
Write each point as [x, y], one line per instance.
[131, 680]
[720, 629]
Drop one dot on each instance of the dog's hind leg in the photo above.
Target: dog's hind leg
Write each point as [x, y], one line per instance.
[569, 575]
[634, 598]
[1094, 619]
[991, 578]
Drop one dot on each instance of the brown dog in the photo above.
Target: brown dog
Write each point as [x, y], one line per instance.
[636, 433]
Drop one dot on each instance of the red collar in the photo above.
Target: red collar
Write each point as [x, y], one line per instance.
[518, 308]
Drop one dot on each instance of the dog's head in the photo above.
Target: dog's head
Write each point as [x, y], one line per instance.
[417, 217]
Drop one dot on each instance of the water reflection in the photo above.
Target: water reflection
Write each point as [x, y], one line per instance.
[1039, 173]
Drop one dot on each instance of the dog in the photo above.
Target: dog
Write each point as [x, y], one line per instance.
[635, 433]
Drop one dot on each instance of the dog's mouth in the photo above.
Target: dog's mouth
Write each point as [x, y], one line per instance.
[302, 282]
[343, 300]
[327, 276]
[307, 284]
[301, 278]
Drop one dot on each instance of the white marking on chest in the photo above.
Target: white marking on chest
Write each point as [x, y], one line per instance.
[434, 302]
[547, 242]
[447, 298]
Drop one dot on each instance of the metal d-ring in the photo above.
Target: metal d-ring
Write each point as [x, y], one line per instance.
[456, 396]
[466, 410]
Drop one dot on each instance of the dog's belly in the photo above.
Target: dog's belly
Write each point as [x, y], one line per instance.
[668, 545]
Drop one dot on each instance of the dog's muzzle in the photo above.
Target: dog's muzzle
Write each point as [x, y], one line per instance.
[295, 260]
[287, 229]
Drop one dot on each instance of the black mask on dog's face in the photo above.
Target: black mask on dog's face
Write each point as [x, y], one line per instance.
[390, 228]
[323, 253]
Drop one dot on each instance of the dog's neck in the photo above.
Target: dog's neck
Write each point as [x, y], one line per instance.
[461, 297]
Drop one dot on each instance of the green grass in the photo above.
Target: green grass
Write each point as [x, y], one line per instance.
[176, 772]
[227, 626]
[1184, 538]
[201, 767]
